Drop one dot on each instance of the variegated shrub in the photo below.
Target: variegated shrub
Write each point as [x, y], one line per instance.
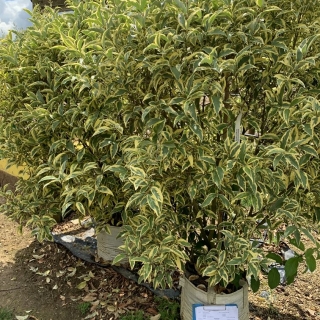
[136, 107]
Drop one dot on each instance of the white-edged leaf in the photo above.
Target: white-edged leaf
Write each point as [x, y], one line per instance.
[156, 192]
[207, 201]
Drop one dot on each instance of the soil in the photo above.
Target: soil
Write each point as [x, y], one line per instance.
[46, 282]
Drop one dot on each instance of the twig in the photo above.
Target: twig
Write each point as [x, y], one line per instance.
[3, 290]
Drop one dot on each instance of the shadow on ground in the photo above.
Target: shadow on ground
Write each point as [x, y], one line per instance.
[22, 289]
[264, 313]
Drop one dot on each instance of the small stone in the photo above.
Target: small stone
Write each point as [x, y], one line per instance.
[265, 295]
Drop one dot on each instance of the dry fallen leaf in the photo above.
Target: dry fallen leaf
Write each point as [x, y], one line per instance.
[38, 257]
[92, 315]
[22, 317]
[111, 308]
[202, 287]
[82, 285]
[90, 297]
[312, 312]
[72, 273]
[60, 273]
[157, 317]
[193, 277]
[75, 221]
[152, 311]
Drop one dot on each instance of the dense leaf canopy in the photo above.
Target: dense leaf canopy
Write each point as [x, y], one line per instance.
[127, 112]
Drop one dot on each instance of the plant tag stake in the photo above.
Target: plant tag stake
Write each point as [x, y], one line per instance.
[237, 128]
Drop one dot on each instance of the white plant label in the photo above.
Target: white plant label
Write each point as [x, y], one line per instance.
[238, 128]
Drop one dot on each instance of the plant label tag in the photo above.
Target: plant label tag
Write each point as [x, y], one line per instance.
[215, 312]
[237, 128]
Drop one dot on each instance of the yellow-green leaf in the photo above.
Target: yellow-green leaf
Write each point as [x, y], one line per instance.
[156, 192]
[137, 171]
[207, 201]
[81, 208]
[82, 285]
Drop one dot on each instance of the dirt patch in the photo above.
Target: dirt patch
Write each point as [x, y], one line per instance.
[53, 284]
[23, 290]
[297, 301]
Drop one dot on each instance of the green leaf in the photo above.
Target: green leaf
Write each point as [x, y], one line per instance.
[294, 242]
[70, 146]
[235, 261]
[269, 136]
[151, 46]
[81, 208]
[182, 20]
[184, 243]
[80, 154]
[210, 271]
[310, 150]
[114, 150]
[156, 192]
[216, 103]
[105, 189]
[118, 258]
[207, 159]
[175, 72]
[101, 130]
[253, 269]
[255, 284]
[43, 171]
[311, 262]
[241, 195]
[195, 127]
[292, 160]
[309, 235]
[249, 172]
[275, 257]
[303, 178]
[192, 190]
[137, 172]
[224, 201]
[116, 168]
[168, 239]
[260, 3]
[218, 175]
[273, 278]
[153, 204]
[207, 201]
[290, 230]
[48, 178]
[291, 267]
[277, 204]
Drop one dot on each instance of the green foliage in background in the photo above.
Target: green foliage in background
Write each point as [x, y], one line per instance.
[168, 309]
[137, 315]
[5, 314]
[127, 112]
[84, 307]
